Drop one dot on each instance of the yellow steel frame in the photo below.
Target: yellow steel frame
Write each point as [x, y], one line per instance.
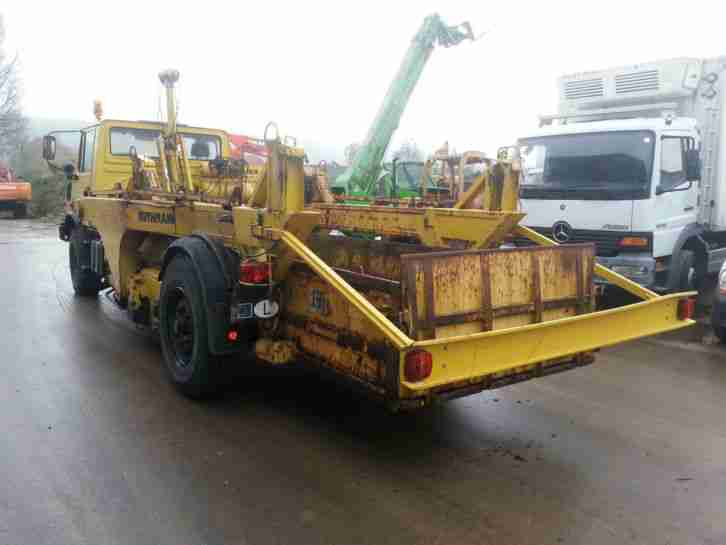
[392, 333]
[475, 356]
[433, 226]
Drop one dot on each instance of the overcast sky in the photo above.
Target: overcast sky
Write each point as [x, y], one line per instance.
[320, 69]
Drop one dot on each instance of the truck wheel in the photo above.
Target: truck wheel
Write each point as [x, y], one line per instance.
[718, 329]
[184, 333]
[85, 281]
[686, 270]
[20, 211]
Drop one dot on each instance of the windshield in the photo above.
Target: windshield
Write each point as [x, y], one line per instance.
[599, 165]
[201, 147]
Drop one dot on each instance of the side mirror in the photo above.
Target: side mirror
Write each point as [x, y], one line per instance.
[693, 165]
[49, 147]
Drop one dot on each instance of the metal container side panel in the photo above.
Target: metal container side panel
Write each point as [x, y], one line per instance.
[449, 294]
[710, 111]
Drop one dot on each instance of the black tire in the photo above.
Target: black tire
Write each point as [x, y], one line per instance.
[718, 329]
[20, 211]
[686, 270]
[184, 333]
[86, 282]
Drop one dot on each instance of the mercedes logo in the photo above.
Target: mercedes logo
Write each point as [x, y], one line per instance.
[561, 231]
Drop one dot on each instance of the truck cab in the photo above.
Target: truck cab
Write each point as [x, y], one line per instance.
[102, 161]
[633, 161]
[626, 185]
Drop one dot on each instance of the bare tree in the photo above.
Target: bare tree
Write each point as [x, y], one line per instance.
[12, 122]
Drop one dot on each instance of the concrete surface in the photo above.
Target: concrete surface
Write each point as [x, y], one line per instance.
[97, 448]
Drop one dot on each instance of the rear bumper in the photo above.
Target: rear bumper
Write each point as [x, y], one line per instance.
[485, 360]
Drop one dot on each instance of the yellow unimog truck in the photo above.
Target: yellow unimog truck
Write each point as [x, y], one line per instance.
[411, 304]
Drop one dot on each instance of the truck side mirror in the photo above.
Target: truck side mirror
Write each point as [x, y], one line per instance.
[693, 165]
[48, 147]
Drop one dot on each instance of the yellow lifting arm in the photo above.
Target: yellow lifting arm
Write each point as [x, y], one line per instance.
[392, 333]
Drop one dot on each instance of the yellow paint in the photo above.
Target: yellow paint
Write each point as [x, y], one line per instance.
[481, 354]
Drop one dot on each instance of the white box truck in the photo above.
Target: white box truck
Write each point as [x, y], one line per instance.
[635, 161]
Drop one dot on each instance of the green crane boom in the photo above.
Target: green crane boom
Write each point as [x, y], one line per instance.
[360, 177]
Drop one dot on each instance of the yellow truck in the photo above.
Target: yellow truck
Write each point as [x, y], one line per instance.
[15, 193]
[409, 304]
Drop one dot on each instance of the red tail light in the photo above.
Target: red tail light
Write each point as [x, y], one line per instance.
[255, 272]
[686, 308]
[418, 365]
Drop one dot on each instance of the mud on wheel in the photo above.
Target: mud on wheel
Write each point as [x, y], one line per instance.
[184, 332]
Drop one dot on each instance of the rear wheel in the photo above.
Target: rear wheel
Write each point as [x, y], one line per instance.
[20, 211]
[184, 332]
[85, 281]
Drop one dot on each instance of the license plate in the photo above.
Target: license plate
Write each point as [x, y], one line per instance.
[242, 311]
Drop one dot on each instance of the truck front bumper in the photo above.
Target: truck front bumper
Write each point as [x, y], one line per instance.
[639, 268]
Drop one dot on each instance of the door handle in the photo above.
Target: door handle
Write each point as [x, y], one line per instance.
[688, 208]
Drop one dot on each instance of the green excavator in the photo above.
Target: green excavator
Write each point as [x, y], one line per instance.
[365, 178]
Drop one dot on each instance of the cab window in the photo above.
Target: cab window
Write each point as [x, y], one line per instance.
[202, 147]
[672, 161]
[143, 140]
[88, 145]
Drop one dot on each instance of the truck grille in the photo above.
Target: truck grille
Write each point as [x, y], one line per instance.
[636, 82]
[586, 88]
[606, 242]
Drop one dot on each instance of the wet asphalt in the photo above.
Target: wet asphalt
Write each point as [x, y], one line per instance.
[97, 448]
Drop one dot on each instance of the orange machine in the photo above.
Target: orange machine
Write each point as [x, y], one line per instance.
[15, 194]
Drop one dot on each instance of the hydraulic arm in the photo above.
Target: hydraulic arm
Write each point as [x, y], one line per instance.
[361, 175]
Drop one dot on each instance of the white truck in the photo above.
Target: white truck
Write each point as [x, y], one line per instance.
[635, 161]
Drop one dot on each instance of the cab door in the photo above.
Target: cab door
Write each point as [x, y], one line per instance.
[86, 162]
[676, 197]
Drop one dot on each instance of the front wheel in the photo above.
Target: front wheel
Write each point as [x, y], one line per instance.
[86, 282]
[718, 329]
[184, 332]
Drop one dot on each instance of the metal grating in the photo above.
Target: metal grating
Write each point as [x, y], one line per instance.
[637, 82]
[586, 88]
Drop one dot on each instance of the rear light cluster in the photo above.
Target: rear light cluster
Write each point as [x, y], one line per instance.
[254, 272]
[686, 308]
[418, 365]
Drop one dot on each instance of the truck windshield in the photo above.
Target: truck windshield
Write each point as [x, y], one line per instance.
[200, 147]
[612, 165]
